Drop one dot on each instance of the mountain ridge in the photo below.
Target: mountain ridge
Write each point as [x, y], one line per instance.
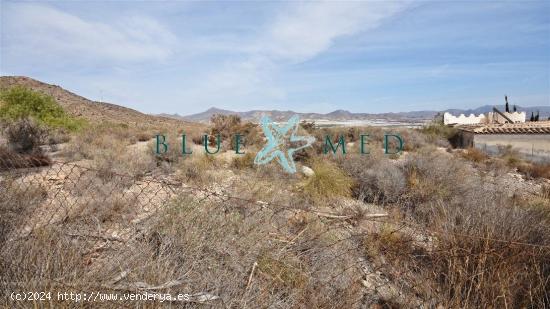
[344, 115]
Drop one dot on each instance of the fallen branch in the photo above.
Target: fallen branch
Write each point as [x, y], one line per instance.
[341, 217]
[100, 237]
[121, 276]
[143, 286]
[243, 300]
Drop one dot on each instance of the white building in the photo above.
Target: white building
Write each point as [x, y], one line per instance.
[491, 117]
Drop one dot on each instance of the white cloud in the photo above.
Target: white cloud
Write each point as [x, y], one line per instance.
[40, 31]
[304, 30]
[297, 33]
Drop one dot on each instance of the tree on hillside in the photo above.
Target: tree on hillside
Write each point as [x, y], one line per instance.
[18, 103]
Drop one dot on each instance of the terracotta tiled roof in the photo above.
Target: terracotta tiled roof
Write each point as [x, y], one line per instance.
[539, 127]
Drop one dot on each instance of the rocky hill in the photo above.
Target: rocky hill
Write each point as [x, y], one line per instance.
[93, 111]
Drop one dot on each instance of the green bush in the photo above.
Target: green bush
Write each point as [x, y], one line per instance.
[435, 131]
[20, 102]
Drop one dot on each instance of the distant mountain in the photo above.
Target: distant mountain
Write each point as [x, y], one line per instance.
[337, 115]
[343, 115]
[200, 116]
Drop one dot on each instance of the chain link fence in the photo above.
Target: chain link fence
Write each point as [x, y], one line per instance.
[72, 227]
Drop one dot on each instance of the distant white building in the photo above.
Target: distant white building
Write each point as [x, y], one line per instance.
[491, 117]
[494, 117]
[449, 119]
[515, 117]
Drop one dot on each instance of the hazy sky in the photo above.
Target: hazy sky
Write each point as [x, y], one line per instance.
[362, 56]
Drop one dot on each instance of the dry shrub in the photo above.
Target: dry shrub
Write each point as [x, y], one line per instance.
[25, 136]
[388, 242]
[228, 126]
[481, 263]
[413, 139]
[198, 139]
[464, 253]
[441, 135]
[11, 160]
[328, 182]
[119, 159]
[17, 202]
[308, 126]
[87, 143]
[102, 202]
[58, 257]
[284, 274]
[513, 159]
[377, 179]
[475, 155]
[143, 136]
[196, 168]
[243, 161]
[535, 170]
[36, 263]
[224, 124]
[433, 176]
[221, 250]
[475, 259]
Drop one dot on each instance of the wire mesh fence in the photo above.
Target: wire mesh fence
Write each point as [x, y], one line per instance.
[73, 227]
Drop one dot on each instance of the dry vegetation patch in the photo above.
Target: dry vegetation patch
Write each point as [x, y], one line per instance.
[327, 183]
[254, 236]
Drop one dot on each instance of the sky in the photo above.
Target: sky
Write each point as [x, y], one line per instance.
[361, 56]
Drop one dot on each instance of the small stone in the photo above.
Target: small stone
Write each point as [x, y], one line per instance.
[307, 171]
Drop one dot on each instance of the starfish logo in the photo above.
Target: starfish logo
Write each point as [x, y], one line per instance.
[280, 140]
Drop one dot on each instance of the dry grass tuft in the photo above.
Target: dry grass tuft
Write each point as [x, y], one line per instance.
[196, 168]
[475, 155]
[243, 161]
[328, 182]
[535, 170]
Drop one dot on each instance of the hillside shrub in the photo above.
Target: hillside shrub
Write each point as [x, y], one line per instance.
[20, 102]
[25, 136]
